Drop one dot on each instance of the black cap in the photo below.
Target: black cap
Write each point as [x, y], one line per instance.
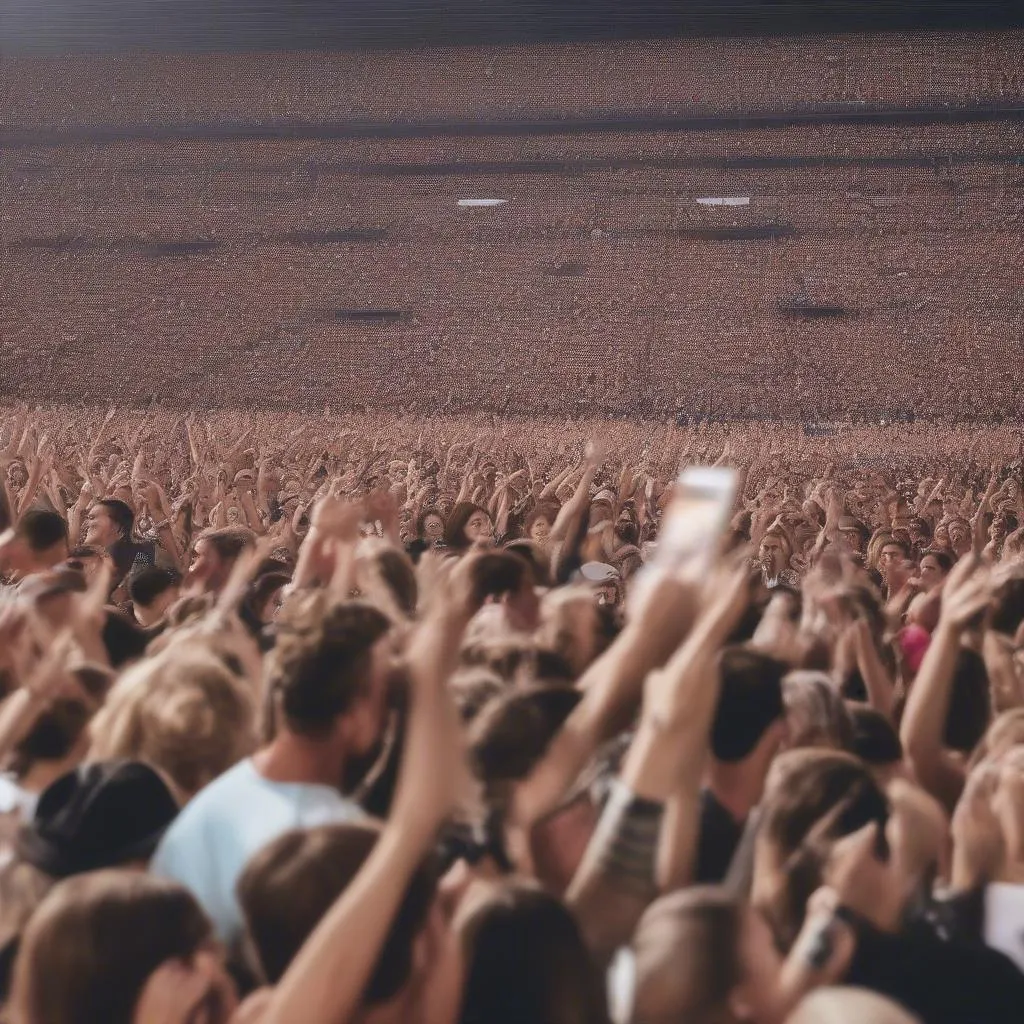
[101, 815]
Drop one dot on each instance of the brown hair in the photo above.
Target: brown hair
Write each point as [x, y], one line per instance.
[94, 941]
[511, 734]
[321, 662]
[526, 961]
[292, 882]
[819, 796]
[184, 713]
[229, 541]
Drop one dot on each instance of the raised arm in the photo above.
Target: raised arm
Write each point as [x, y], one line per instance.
[923, 727]
[325, 982]
[647, 836]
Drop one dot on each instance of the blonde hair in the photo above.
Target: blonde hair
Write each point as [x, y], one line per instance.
[184, 713]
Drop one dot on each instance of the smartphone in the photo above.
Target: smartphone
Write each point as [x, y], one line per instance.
[691, 530]
[696, 517]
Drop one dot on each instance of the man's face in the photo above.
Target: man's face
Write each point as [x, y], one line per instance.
[772, 554]
[890, 558]
[100, 530]
[931, 572]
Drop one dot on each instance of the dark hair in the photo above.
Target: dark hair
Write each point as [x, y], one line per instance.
[54, 734]
[942, 557]
[121, 513]
[512, 732]
[292, 882]
[455, 526]
[526, 961]
[749, 701]
[147, 584]
[534, 557]
[542, 511]
[875, 741]
[970, 706]
[896, 542]
[92, 944]
[1008, 606]
[123, 639]
[322, 658]
[397, 572]
[42, 529]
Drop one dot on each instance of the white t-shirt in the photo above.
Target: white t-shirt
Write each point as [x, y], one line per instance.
[235, 816]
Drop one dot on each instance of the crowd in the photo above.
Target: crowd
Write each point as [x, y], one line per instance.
[313, 722]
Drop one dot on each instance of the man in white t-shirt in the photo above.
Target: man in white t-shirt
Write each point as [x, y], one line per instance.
[329, 673]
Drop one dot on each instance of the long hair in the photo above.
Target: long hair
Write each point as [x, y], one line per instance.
[95, 940]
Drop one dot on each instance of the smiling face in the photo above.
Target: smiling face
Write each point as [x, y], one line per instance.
[100, 529]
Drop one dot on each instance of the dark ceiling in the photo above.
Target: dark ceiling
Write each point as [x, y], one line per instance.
[40, 26]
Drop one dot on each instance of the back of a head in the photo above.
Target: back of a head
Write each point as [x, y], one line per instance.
[93, 942]
[42, 530]
[123, 639]
[749, 702]
[687, 960]
[229, 541]
[817, 715]
[1007, 607]
[184, 713]
[819, 796]
[526, 961]
[292, 882]
[147, 584]
[875, 740]
[320, 665]
[849, 1006]
[512, 732]
[54, 735]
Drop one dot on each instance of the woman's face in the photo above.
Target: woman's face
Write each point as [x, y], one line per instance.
[479, 529]
[942, 537]
[433, 529]
[540, 529]
[932, 574]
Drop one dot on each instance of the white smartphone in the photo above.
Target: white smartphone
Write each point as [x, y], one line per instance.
[693, 524]
[696, 517]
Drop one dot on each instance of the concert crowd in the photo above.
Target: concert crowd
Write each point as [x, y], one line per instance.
[311, 722]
